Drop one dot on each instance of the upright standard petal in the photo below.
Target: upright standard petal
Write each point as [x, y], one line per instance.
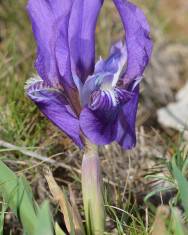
[50, 20]
[107, 72]
[116, 60]
[139, 44]
[82, 26]
[53, 104]
[126, 135]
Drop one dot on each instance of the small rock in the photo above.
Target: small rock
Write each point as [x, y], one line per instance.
[175, 115]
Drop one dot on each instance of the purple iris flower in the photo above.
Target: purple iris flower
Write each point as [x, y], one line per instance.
[82, 98]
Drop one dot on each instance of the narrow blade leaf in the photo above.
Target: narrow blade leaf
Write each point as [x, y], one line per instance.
[182, 185]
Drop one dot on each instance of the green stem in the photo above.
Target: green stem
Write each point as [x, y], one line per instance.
[92, 191]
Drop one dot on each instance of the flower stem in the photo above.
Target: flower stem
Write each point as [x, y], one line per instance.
[92, 191]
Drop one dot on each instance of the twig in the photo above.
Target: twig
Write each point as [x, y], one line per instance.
[26, 152]
[45, 159]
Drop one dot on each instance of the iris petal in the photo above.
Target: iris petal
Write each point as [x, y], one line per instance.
[93, 83]
[116, 60]
[53, 104]
[139, 44]
[126, 135]
[107, 100]
[99, 120]
[82, 36]
[50, 26]
[99, 127]
[107, 72]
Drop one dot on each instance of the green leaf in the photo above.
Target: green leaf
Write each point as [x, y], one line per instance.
[176, 225]
[17, 194]
[182, 185]
[44, 221]
[58, 230]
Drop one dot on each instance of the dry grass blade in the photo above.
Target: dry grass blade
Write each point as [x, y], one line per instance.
[75, 208]
[70, 217]
[159, 225]
[26, 152]
[45, 159]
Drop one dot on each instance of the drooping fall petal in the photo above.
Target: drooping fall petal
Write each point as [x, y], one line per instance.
[126, 136]
[99, 120]
[100, 127]
[53, 104]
